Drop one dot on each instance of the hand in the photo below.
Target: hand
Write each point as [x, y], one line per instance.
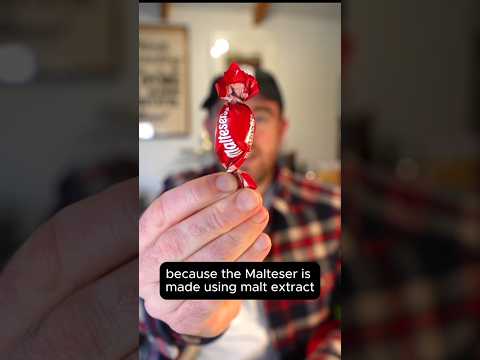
[206, 219]
[70, 292]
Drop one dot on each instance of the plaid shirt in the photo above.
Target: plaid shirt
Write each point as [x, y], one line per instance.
[411, 269]
[304, 226]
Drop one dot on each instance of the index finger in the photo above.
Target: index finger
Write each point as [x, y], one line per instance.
[175, 205]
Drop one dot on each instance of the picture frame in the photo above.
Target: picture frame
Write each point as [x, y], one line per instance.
[164, 79]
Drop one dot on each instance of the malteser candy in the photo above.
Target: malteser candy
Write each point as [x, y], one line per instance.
[235, 123]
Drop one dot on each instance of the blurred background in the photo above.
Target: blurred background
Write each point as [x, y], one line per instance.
[410, 180]
[410, 90]
[300, 44]
[69, 100]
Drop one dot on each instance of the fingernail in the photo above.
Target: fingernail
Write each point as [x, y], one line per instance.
[247, 200]
[226, 183]
[260, 217]
[262, 243]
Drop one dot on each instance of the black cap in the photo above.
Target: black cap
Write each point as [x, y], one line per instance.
[268, 89]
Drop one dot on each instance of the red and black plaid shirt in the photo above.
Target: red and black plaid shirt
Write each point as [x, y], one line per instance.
[304, 226]
[411, 269]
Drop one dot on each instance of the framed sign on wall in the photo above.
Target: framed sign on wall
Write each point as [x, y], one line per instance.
[164, 79]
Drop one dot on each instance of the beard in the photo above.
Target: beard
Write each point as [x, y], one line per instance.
[258, 167]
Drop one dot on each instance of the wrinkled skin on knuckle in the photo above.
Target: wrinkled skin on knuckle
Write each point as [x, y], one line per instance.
[197, 228]
[169, 246]
[211, 221]
[221, 249]
[216, 218]
[193, 194]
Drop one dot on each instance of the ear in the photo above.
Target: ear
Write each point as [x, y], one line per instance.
[284, 127]
[208, 122]
[209, 126]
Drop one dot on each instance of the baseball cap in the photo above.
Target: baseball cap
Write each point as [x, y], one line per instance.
[268, 89]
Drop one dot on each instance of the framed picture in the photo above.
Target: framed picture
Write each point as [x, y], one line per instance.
[53, 32]
[164, 79]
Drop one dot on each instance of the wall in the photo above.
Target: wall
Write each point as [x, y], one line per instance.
[301, 46]
[422, 67]
[56, 126]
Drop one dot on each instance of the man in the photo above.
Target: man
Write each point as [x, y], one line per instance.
[303, 225]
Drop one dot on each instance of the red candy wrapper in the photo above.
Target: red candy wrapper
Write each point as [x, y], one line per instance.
[235, 122]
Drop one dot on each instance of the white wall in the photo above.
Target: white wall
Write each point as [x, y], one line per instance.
[300, 45]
